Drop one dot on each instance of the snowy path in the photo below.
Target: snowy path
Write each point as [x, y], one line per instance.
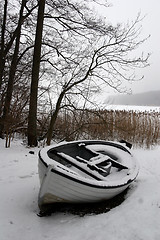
[137, 218]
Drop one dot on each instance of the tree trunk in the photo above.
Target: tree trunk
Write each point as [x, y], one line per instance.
[53, 118]
[32, 118]
[2, 62]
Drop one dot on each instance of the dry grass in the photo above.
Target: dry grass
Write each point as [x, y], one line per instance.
[139, 128]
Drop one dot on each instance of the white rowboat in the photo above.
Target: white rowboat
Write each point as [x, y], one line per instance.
[84, 171]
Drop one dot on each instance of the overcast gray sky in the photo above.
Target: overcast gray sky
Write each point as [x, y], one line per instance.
[124, 10]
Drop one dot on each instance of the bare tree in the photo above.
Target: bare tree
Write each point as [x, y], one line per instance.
[104, 61]
[12, 68]
[10, 53]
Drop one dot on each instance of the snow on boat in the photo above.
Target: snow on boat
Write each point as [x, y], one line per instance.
[84, 171]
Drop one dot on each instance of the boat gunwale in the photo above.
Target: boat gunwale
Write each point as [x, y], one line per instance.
[90, 142]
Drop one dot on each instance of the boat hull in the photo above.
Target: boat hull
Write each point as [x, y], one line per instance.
[58, 187]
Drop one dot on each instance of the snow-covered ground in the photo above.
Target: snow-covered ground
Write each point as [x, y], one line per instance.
[137, 218]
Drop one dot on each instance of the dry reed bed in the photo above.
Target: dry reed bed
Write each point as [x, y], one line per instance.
[139, 128]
